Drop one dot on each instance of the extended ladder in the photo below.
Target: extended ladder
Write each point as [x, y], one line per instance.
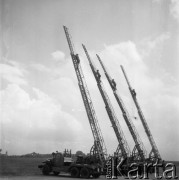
[99, 144]
[154, 152]
[123, 148]
[138, 143]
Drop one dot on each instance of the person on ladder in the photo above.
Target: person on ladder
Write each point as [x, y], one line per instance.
[98, 75]
[113, 84]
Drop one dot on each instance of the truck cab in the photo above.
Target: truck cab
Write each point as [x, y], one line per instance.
[76, 168]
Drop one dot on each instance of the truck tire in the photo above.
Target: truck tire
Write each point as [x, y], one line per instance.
[75, 173]
[46, 170]
[85, 173]
[56, 173]
[96, 175]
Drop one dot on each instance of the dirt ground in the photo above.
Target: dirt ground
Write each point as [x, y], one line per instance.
[60, 177]
[19, 168]
[41, 177]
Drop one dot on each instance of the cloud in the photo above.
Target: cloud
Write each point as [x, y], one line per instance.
[158, 40]
[124, 50]
[34, 120]
[157, 1]
[13, 73]
[40, 67]
[58, 55]
[51, 116]
[152, 91]
[66, 91]
[150, 44]
[125, 53]
[174, 9]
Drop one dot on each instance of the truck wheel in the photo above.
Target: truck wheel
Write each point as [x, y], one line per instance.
[46, 170]
[75, 172]
[96, 175]
[85, 173]
[56, 173]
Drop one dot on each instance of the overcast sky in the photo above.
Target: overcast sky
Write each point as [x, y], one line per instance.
[41, 107]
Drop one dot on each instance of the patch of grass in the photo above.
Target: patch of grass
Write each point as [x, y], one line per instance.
[20, 166]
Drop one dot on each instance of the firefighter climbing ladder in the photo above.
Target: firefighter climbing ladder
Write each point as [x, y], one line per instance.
[123, 148]
[99, 144]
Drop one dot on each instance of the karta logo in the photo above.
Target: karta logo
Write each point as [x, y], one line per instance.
[128, 170]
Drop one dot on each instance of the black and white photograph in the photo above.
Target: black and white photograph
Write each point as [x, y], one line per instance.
[89, 89]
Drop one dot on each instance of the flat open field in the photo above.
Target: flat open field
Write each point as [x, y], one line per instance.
[27, 168]
[19, 166]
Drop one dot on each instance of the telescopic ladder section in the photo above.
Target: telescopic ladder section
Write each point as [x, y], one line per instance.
[141, 152]
[123, 148]
[99, 144]
[154, 154]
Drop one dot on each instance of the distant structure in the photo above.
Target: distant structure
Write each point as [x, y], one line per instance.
[1, 154]
[33, 154]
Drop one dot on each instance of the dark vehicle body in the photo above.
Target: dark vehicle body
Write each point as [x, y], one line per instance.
[84, 167]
